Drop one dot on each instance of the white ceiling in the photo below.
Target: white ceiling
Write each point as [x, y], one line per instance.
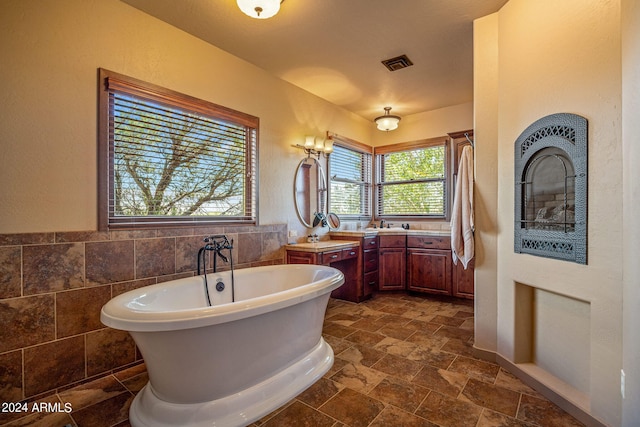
[334, 48]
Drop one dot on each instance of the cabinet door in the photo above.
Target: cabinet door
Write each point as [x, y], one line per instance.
[463, 281]
[392, 268]
[299, 257]
[429, 271]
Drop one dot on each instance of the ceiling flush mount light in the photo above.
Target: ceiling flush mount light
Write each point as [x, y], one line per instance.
[387, 122]
[259, 9]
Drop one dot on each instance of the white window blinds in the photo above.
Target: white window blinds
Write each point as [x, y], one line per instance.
[350, 173]
[412, 182]
[173, 159]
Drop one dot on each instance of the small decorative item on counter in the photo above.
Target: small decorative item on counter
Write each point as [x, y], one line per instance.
[310, 238]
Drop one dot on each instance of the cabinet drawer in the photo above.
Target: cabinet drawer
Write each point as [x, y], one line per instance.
[370, 261]
[429, 242]
[370, 282]
[331, 256]
[349, 253]
[370, 243]
[393, 241]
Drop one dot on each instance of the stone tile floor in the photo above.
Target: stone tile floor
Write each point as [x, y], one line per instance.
[400, 361]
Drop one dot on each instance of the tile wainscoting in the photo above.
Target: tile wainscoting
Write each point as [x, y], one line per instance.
[53, 285]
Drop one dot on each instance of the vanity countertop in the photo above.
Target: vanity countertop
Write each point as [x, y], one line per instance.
[389, 232]
[354, 233]
[322, 246]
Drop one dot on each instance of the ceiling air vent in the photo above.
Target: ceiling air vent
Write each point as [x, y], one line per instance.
[397, 63]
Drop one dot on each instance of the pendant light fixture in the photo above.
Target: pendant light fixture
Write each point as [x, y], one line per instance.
[387, 122]
[259, 9]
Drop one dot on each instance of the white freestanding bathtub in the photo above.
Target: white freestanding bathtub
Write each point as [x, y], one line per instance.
[231, 363]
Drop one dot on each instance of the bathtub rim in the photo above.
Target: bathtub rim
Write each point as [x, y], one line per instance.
[117, 315]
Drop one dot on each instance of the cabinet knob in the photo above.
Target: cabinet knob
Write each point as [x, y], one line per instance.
[334, 256]
[352, 253]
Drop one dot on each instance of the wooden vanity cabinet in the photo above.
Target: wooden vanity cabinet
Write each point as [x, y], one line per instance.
[429, 264]
[369, 268]
[414, 262]
[463, 280]
[347, 260]
[392, 262]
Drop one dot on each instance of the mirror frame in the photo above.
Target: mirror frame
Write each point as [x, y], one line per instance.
[333, 221]
[320, 193]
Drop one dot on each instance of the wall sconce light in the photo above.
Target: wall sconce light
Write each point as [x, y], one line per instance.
[387, 122]
[316, 147]
[259, 9]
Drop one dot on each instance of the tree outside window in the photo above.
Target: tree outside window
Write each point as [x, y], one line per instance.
[412, 182]
[350, 182]
[174, 159]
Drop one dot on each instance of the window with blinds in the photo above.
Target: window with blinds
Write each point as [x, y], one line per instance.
[169, 159]
[350, 180]
[412, 180]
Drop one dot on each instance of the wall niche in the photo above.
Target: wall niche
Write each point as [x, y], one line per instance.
[551, 188]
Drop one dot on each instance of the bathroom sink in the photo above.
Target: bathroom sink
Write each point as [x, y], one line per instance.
[388, 230]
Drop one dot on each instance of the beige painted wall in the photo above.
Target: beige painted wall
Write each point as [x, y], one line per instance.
[51, 51]
[561, 57]
[549, 56]
[429, 124]
[631, 197]
[485, 63]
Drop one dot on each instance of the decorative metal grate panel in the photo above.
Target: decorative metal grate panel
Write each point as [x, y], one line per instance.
[565, 132]
[551, 217]
[561, 250]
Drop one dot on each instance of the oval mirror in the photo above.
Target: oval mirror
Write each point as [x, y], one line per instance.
[333, 220]
[310, 190]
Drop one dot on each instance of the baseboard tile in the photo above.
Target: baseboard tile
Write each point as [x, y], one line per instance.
[576, 411]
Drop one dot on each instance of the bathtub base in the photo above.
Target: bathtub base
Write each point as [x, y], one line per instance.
[239, 409]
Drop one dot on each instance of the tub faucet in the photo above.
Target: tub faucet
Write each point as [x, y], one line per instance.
[216, 244]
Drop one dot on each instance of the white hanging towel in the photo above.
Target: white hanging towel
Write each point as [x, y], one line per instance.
[462, 245]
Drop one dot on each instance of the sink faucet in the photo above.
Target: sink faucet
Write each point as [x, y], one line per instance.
[382, 223]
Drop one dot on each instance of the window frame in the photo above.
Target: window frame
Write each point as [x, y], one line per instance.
[380, 151]
[367, 182]
[111, 82]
